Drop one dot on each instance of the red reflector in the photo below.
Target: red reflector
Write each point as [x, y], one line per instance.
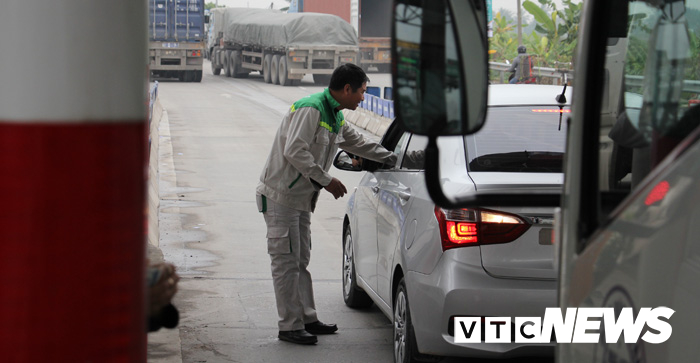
[658, 193]
[544, 110]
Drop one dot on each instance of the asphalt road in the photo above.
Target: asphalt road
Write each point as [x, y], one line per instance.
[213, 149]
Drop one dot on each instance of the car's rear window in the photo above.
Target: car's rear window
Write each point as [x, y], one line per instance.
[519, 139]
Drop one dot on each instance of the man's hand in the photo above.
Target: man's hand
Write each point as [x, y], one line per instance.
[336, 188]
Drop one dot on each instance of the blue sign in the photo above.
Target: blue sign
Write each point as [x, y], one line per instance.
[489, 10]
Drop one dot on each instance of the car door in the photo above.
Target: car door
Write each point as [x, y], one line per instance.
[364, 233]
[365, 211]
[395, 198]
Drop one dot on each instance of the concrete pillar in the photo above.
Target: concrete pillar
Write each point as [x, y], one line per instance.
[72, 180]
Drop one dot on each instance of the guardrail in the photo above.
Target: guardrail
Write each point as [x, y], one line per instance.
[385, 106]
[688, 85]
[559, 74]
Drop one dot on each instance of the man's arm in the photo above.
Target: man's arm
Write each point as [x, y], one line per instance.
[516, 61]
[359, 145]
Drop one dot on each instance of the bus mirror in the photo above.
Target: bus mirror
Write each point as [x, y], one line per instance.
[439, 47]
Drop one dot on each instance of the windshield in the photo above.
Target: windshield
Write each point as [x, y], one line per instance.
[519, 139]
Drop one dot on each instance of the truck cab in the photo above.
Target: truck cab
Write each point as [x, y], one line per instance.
[627, 226]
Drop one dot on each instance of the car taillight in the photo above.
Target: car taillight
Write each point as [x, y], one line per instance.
[473, 227]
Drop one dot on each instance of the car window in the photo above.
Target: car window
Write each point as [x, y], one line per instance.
[414, 157]
[519, 139]
[396, 150]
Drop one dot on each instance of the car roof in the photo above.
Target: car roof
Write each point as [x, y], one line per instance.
[526, 94]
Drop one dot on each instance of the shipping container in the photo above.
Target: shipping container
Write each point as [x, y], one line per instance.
[176, 38]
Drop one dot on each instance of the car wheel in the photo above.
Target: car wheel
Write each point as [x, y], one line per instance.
[353, 295]
[405, 347]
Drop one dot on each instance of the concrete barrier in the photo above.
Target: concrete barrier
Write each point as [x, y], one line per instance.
[368, 120]
[153, 175]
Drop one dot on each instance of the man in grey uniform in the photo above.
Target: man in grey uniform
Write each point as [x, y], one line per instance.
[296, 170]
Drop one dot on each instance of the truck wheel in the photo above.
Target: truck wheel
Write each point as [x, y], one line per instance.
[274, 69]
[283, 76]
[214, 69]
[197, 76]
[237, 68]
[322, 79]
[266, 68]
[214, 61]
[227, 61]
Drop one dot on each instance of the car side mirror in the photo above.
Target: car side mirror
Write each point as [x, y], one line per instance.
[347, 161]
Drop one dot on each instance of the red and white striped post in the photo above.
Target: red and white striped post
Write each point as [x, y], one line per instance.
[72, 180]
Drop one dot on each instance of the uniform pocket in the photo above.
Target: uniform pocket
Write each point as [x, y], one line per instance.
[320, 144]
[278, 241]
[321, 137]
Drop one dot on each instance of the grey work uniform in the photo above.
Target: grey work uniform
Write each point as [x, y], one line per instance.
[302, 152]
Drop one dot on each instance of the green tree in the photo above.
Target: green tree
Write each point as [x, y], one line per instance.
[209, 6]
[503, 43]
[558, 27]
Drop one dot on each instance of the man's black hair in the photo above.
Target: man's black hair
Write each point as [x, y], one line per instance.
[348, 73]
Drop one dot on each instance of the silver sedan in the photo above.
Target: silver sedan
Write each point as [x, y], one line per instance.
[423, 265]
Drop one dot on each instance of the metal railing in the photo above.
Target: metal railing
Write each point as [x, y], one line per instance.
[559, 75]
[638, 81]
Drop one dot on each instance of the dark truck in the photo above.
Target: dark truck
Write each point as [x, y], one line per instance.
[176, 39]
[282, 47]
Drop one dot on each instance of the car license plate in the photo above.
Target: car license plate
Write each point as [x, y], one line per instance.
[547, 236]
[171, 45]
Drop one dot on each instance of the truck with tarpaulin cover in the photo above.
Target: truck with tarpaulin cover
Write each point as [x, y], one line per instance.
[176, 39]
[369, 18]
[282, 47]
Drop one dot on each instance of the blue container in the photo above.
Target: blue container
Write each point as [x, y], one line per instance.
[377, 105]
[391, 109]
[374, 91]
[388, 93]
[372, 103]
[385, 108]
[176, 20]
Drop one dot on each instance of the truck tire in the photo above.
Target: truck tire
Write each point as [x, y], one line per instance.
[267, 63]
[274, 69]
[227, 61]
[283, 72]
[214, 61]
[197, 76]
[322, 79]
[237, 68]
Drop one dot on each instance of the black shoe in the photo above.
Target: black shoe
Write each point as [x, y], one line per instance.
[300, 336]
[321, 328]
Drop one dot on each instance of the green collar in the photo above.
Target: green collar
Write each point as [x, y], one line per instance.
[329, 98]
